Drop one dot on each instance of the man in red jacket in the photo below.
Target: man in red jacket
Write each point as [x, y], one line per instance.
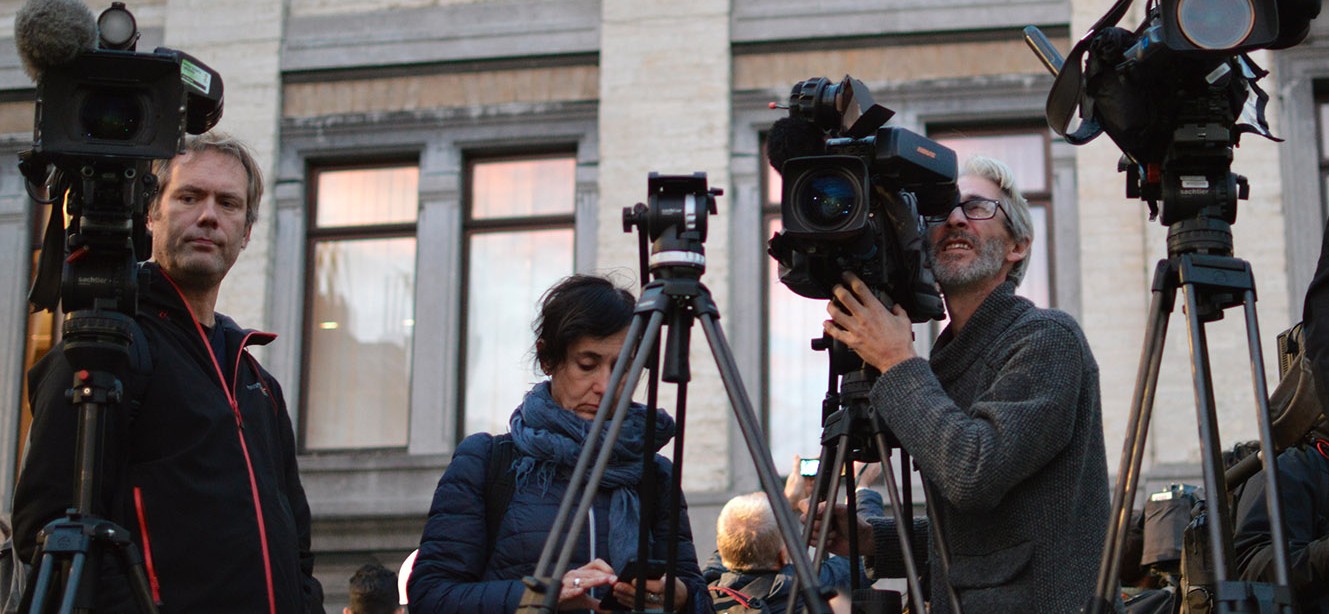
[198, 462]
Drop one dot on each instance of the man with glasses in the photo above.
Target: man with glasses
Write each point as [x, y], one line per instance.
[1003, 422]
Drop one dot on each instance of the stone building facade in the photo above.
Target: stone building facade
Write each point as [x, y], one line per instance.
[592, 95]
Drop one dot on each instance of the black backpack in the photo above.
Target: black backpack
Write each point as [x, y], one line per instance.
[500, 482]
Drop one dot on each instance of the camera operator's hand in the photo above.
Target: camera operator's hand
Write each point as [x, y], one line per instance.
[577, 584]
[837, 541]
[881, 338]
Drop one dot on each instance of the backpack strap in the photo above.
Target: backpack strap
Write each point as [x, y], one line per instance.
[500, 483]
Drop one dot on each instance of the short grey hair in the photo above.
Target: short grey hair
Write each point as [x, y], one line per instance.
[1019, 223]
[746, 534]
[225, 144]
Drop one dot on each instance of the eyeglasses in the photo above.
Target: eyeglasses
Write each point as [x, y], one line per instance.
[975, 209]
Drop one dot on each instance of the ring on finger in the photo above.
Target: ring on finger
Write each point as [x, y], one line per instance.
[653, 597]
[576, 583]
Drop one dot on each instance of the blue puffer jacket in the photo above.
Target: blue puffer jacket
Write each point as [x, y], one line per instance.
[454, 572]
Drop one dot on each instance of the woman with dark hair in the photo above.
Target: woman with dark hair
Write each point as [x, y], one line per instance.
[470, 562]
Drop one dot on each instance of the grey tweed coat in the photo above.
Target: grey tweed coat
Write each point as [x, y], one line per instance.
[1005, 423]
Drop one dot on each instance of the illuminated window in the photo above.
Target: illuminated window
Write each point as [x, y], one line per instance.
[519, 242]
[360, 312]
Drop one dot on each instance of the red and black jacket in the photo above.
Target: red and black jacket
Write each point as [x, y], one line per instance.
[198, 465]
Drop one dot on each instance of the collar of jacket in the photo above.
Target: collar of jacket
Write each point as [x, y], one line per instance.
[954, 354]
[159, 298]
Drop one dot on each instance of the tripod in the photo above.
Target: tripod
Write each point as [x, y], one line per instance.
[1210, 283]
[96, 345]
[853, 431]
[675, 220]
[93, 271]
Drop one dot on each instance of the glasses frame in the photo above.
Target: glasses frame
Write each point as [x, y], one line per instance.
[941, 219]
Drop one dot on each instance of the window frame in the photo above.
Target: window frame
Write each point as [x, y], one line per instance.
[315, 235]
[471, 226]
[441, 149]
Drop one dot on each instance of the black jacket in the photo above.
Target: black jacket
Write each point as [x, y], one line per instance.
[198, 465]
[1304, 480]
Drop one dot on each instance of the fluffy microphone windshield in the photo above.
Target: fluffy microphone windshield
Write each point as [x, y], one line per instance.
[793, 138]
[50, 33]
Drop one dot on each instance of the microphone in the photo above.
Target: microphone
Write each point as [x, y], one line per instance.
[51, 33]
[791, 138]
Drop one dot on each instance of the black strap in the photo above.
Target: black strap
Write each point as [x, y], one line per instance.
[500, 482]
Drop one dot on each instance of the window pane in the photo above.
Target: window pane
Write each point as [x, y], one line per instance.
[1024, 153]
[360, 332]
[367, 196]
[1035, 285]
[796, 374]
[516, 188]
[508, 274]
[1324, 131]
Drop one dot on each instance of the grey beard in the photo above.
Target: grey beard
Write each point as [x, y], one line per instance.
[953, 276]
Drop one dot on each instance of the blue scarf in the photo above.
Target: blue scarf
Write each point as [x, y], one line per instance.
[549, 438]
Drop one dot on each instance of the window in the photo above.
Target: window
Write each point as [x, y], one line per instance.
[1025, 151]
[519, 242]
[796, 377]
[360, 307]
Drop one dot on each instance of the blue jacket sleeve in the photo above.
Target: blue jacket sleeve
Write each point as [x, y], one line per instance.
[1304, 476]
[448, 571]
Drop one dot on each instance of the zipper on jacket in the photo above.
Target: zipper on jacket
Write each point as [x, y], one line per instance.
[147, 545]
[244, 446]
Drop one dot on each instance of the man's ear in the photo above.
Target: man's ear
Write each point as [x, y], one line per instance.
[1019, 250]
[245, 241]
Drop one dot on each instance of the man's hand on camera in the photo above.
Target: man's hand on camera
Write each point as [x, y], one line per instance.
[881, 338]
[837, 541]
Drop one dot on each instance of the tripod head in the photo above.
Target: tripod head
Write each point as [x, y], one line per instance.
[675, 223]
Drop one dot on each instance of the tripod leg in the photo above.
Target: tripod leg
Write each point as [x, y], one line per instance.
[1220, 524]
[1132, 454]
[761, 458]
[1277, 532]
[903, 530]
[640, 339]
[943, 552]
[606, 449]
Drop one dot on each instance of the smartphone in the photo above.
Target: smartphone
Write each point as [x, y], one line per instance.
[651, 570]
[808, 467]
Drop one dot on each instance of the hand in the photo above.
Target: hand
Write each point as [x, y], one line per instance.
[577, 583]
[797, 486]
[868, 473]
[626, 593]
[837, 541]
[881, 338]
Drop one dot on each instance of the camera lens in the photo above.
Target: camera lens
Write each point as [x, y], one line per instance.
[1216, 24]
[111, 115]
[827, 198]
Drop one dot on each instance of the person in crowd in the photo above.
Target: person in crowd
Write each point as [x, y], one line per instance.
[1003, 422]
[199, 460]
[373, 590]
[464, 566]
[756, 562]
[1303, 473]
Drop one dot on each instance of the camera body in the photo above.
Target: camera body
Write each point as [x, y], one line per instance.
[101, 119]
[857, 205]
